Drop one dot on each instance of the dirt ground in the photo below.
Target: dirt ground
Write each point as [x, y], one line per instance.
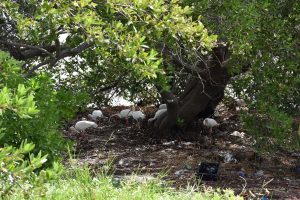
[241, 168]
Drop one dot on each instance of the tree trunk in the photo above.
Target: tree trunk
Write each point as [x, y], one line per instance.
[200, 97]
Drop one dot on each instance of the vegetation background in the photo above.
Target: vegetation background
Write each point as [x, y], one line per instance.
[58, 56]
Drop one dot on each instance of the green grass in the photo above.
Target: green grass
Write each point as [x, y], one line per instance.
[22, 178]
[79, 184]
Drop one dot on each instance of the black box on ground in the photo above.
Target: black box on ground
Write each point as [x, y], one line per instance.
[208, 171]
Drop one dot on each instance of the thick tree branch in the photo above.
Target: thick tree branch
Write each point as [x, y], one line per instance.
[31, 53]
[74, 51]
[36, 49]
[64, 53]
[111, 85]
[198, 67]
[58, 49]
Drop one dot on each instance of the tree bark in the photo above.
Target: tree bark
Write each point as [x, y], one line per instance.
[200, 97]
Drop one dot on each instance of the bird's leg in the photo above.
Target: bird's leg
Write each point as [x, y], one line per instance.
[210, 132]
[79, 136]
[211, 137]
[139, 125]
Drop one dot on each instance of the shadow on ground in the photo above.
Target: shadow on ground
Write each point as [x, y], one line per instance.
[132, 150]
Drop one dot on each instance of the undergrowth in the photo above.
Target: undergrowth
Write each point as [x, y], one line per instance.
[26, 179]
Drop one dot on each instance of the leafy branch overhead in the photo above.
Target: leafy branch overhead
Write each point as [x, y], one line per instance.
[123, 34]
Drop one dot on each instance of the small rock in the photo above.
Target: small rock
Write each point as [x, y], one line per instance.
[229, 158]
[187, 143]
[238, 134]
[137, 178]
[217, 113]
[169, 143]
[116, 182]
[179, 172]
[259, 173]
[241, 102]
[121, 162]
[187, 166]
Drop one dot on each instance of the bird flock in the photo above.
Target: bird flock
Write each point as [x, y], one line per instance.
[125, 114]
[84, 124]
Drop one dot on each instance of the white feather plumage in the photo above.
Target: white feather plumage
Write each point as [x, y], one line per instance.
[82, 125]
[209, 122]
[157, 114]
[162, 106]
[125, 113]
[95, 114]
[138, 115]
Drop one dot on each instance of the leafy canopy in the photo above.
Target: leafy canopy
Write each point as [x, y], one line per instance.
[125, 39]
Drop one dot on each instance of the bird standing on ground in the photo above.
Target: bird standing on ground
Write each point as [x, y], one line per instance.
[84, 124]
[138, 116]
[95, 114]
[157, 114]
[80, 127]
[124, 114]
[210, 123]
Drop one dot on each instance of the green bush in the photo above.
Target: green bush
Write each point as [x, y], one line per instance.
[33, 109]
[17, 166]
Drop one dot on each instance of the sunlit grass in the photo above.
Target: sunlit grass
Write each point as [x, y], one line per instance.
[79, 184]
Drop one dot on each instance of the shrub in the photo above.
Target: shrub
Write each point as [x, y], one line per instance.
[33, 109]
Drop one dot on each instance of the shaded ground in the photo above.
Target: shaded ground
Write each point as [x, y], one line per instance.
[133, 151]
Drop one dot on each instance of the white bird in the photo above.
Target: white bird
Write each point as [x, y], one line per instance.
[162, 106]
[209, 122]
[82, 125]
[157, 114]
[138, 115]
[124, 114]
[95, 114]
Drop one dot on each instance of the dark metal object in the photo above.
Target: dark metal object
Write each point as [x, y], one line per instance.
[208, 171]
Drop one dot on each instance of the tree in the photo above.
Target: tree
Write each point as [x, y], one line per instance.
[128, 47]
[114, 44]
[264, 35]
